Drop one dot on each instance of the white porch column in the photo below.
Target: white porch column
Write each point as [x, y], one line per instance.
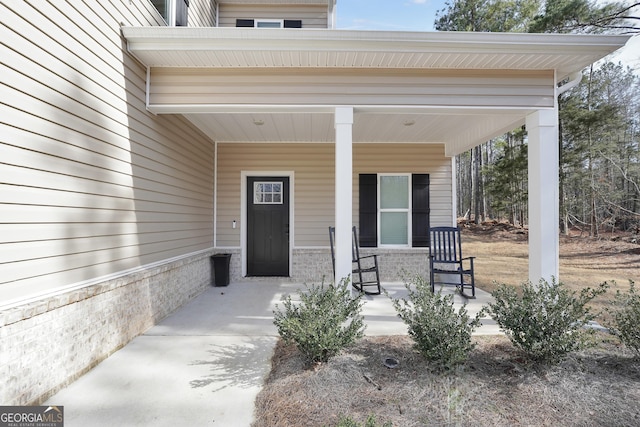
[544, 215]
[344, 190]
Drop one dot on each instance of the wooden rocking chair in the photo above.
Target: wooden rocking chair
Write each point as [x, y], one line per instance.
[446, 261]
[365, 268]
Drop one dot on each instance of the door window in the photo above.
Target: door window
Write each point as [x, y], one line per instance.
[267, 193]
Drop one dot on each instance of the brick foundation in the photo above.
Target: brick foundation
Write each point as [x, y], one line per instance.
[311, 265]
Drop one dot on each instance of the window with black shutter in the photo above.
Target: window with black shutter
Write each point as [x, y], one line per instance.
[268, 23]
[370, 212]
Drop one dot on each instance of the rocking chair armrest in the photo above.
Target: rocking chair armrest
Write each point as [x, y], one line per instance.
[469, 260]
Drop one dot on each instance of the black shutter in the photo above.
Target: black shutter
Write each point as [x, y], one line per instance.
[248, 23]
[420, 210]
[368, 185]
[292, 23]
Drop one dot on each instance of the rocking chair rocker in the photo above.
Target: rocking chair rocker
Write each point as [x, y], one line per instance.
[365, 268]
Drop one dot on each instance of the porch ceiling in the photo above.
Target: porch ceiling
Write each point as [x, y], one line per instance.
[459, 128]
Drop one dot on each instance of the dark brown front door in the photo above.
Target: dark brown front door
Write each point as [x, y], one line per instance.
[268, 226]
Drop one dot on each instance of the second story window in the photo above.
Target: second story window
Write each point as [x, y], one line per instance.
[268, 23]
[174, 12]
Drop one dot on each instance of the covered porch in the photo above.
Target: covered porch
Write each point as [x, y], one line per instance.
[451, 91]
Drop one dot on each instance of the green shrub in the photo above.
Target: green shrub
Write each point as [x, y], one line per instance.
[441, 334]
[326, 320]
[546, 321]
[370, 422]
[626, 317]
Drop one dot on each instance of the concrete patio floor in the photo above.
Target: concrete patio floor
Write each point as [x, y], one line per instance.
[205, 364]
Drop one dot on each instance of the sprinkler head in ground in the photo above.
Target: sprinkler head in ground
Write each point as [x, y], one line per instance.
[391, 362]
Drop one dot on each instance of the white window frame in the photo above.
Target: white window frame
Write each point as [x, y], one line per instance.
[170, 19]
[256, 22]
[408, 211]
[273, 193]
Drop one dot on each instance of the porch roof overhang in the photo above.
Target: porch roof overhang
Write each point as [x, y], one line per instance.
[367, 52]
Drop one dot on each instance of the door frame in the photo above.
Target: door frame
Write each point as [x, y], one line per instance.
[244, 212]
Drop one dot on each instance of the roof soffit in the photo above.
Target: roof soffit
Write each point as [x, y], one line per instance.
[282, 48]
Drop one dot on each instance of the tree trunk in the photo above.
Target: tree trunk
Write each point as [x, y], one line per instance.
[472, 188]
[593, 219]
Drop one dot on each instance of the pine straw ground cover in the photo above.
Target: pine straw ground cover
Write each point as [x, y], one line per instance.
[496, 387]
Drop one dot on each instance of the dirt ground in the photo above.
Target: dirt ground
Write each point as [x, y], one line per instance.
[501, 252]
[497, 386]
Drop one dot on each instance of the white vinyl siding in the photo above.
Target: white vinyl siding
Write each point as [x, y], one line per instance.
[90, 182]
[312, 16]
[312, 165]
[313, 193]
[202, 13]
[205, 86]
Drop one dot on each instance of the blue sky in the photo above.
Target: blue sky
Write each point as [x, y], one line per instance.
[389, 15]
[420, 15]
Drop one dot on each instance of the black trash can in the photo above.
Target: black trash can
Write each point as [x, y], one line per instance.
[220, 269]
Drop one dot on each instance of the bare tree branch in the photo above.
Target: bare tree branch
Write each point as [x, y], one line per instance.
[612, 21]
[617, 206]
[623, 172]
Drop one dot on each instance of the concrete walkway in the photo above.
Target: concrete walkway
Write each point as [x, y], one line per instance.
[204, 364]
